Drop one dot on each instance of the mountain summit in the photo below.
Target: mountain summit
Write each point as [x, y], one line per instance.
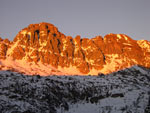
[42, 49]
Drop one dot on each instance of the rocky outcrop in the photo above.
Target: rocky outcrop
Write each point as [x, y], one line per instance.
[45, 44]
[4, 45]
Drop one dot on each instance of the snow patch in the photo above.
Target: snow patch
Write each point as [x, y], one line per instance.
[125, 37]
[42, 44]
[111, 63]
[24, 32]
[122, 36]
[87, 48]
[90, 61]
[75, 42]
[134, 61]
[29, 33]
[64, 44]
[94, 72]
[71, 70]
[10, 50]
[127, 44]
[119, 36]
[31, 68]
[144, 44]
[42, 33]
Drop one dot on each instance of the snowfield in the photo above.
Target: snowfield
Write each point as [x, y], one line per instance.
[125, 91]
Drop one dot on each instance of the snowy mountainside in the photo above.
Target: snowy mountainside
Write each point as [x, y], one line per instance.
[125, 91]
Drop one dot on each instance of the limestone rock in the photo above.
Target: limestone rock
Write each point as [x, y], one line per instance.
[44, 43]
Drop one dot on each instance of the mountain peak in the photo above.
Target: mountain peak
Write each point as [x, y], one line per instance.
[42, 49]
[37, 31]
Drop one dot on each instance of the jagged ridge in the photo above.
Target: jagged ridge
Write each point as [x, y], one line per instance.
[43, 47]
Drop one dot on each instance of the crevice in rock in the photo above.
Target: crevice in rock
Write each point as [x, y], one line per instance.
[51, 44]
[104, 58]
[38, 34]
[58, 45]
[48, 31]
[54, 35]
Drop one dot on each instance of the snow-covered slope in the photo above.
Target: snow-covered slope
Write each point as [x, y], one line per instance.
[126, 91]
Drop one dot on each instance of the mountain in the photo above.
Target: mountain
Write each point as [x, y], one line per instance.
[42, 49]
[125, 91]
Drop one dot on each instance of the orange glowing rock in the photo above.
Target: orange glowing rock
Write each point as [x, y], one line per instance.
[49, 51]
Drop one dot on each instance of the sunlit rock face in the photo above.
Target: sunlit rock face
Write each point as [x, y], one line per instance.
[43, 45]
[4, 45]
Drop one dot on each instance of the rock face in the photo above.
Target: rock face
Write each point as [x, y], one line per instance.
[43, 43]
[4, 45]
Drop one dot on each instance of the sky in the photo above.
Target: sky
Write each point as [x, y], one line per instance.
[88, 18]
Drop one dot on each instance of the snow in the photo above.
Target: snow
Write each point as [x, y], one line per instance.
[24, 32]
[76, 49]
[122, 36]
[94, 72]
[75, 42]
[61, 54]
[134, 60]
[90, 61]
[42, 44]
[82, 108]
[128, 48]
[71, 70]
[120, 92]
[31, 68]
[142, 70]
[114, 61]
[28, 68]
[125, 37]
[64, 44]
[42, 33]
[29, 33]
[144, 44]
[127, 44]
[27, 54]
[119, 36]
[10, 50]
[87, 48]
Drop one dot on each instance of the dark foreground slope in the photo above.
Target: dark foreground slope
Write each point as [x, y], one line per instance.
[126, 91]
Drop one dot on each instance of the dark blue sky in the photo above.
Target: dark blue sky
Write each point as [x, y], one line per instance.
[87, 18]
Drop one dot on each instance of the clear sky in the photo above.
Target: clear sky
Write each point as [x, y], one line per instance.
[87, 18]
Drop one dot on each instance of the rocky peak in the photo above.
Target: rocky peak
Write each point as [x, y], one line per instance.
[43, 43]
[4, 45]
